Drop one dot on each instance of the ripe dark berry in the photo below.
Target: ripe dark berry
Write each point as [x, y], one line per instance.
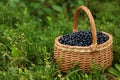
[82, 38]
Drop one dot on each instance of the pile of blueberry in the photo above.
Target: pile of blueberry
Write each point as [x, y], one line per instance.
[82, 38]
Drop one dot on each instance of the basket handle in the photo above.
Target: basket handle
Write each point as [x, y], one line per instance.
[92, 23]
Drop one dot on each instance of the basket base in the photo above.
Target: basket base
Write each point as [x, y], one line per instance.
[66, 60]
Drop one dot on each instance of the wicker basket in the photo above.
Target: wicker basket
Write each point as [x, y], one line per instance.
[67, 55]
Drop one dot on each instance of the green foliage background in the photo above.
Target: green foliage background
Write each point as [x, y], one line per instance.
[28, 29]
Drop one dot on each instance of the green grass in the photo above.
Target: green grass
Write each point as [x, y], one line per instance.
[26, 42]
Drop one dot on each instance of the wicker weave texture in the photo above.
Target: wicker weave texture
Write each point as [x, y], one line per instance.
[102, 55]
[67, 58]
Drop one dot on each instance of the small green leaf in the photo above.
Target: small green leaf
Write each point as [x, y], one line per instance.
[80, 2]
[20, 71]
[117, 66]
[35, 5]
[57, 8]
[67, 78]
[15, 52]
[86, 76]
[25, 11]
[114, 71]
[31, 77]
[40, 13]
[47, 10]
[26, 71]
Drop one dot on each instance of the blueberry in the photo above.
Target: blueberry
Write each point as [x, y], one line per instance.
[82, 38]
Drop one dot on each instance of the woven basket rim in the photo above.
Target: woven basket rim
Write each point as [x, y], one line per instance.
[85, 48]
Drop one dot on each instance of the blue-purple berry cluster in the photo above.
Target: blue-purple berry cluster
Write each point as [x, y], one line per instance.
[82, 38]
